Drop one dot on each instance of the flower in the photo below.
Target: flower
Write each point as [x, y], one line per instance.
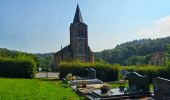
[70, 77]
[105, 88]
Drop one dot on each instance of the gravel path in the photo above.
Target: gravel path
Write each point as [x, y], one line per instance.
[50, 75]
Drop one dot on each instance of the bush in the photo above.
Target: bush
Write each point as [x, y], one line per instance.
[104, 72]
[17, 67]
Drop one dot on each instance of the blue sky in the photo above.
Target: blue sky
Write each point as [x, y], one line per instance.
[40, 26]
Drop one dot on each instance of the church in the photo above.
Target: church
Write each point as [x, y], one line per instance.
[78, 47]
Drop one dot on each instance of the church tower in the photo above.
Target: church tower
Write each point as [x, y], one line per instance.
[79, 37]
[78, 47]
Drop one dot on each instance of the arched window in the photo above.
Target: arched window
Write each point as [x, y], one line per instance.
[80, 34]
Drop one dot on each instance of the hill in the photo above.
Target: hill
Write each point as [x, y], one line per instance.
[129, 53]
[44, 60]
[15, 54]
[135, 52]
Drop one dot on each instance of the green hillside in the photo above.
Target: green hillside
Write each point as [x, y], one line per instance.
[129, 53]
[43, 60]
[134, 52]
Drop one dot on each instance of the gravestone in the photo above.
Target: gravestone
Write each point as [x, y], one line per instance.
[91, 73]
[137, 83]
[161, 88]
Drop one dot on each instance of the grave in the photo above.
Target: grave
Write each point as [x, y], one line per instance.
[89, 88]
[86, 84]
[161, 88]
[138, 88]
[88, 81]
[137, 83]
[115, 94]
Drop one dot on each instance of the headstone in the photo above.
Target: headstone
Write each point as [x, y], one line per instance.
[91, 73]
[138, 83]
[161, 88]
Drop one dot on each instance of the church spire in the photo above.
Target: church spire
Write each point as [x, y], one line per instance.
[78, 18]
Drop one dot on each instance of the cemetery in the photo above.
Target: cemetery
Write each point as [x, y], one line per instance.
[106, 66]
[138, 87]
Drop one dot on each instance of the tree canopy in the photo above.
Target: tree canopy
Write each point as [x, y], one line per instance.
[134, 52]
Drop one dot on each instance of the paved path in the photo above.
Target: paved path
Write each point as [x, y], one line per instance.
[50, 75]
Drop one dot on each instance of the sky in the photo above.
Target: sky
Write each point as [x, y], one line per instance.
[42, 26]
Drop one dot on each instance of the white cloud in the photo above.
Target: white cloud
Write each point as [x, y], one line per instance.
[160, 28]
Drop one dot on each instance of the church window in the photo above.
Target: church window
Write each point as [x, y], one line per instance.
[80, 34]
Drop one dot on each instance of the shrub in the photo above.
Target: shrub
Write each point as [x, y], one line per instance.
[17, 67]
[105, 72]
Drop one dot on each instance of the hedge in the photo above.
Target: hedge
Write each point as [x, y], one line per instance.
[107, 72]
[17, 68]
[104, 72]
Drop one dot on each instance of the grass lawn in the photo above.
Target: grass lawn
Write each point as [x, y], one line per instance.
[35, 89]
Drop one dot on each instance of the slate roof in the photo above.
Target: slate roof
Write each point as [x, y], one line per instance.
[64, 50]
[78, 17]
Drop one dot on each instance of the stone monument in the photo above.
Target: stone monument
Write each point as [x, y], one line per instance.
[138, 83]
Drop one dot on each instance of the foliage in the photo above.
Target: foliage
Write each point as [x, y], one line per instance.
[70, 77]
[135, 52]
[167, 64]
[105, 72]
[35, 89]
[45, 61]
[16, 54]
[21, 67]
[135, 60]
[17, 64]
